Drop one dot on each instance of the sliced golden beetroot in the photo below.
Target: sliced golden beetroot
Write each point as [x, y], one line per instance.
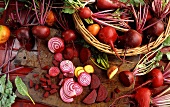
[79, 72]
[102, 93]
[77, 69]
[112, 71]
[89, 69]
[90, 99]
[95, 82]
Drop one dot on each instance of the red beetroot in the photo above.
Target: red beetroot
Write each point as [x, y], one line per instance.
[58, 57]
[108, 35]
[95, 82]
[131, 39]
[126, 78]
[156, 29]
[69, 35]
[156, 77]
[68, 53]
[23, 33]
[84, 79]
[102, 93]
[91, 98]
[41, 31]
[142, 96]
[64, 97]
[85, 54]
[110, 4]
[54, 71]
[84, 12]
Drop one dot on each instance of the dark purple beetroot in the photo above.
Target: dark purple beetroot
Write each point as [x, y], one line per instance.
[91, 98]
[102, 93]
[68, 53]
[41, 31]
[85, 54]
[156, 29]
[95, 82]
[126, 78]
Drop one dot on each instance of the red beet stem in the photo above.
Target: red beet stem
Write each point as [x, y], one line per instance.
[114, 102]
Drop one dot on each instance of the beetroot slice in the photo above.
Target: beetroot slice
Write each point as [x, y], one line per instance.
[95, 82]
[56, 45]
[102, 93]
[68, 87]
[84, 79]
[85, 54]
[90, 99]
[78, 88]
[64, 97]
[66, 66]
[54, 71]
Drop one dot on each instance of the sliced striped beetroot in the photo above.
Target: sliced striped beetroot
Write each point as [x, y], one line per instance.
[56, 45]
[68, 87]
[84, 79]
[69, 74]
[66, 66]
[54, 71]
[78, 88]
[64, 97]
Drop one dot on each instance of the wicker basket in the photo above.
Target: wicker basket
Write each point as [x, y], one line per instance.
[107, 49]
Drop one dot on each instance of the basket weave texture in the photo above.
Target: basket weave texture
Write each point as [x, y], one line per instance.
[89, 38]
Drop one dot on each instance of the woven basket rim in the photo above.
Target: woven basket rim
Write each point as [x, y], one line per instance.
[89, 38]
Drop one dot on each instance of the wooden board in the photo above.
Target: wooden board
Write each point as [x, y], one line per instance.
[46, 57]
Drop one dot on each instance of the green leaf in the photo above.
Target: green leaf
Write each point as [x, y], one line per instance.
[68, 10]
[89, 21]
[159, 56]
[11, 100]
[167, 41]
[98, 60]
[2, 84]
[22, 88]
[168, 55]
[1, 9]
[7, 95]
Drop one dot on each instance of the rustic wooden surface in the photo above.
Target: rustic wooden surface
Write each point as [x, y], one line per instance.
[30, 59]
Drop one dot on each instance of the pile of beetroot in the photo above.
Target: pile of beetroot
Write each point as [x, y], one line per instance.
[124, 25]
